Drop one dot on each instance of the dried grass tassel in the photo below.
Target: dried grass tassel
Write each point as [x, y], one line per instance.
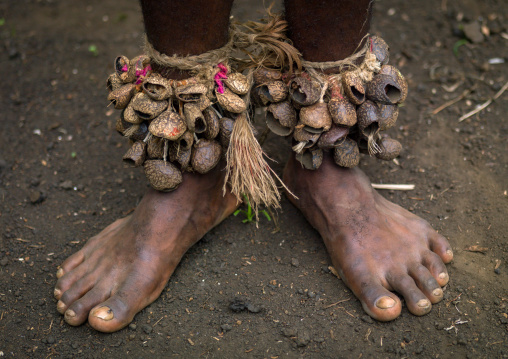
[247, 171]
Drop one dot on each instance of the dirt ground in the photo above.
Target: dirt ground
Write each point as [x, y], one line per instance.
[62, 181]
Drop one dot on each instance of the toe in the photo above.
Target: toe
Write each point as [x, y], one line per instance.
[436, 267]
[76, 291]
[427, 283]
[377, 301]
[119, 310]
[416, 301]
[78, 312]
[70, 263]
[440, 246]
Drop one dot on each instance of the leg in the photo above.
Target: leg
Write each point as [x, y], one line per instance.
[377, 246]
[125, 267]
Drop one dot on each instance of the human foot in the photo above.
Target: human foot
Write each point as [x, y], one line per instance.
[376, 246]
[125, 267]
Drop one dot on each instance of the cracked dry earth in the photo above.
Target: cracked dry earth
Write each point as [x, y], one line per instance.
[58, 138]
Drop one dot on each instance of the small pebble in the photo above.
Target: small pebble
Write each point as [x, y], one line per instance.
[132, 326]
[4, 261]
[302, 339]
[36, 197]
[67, 185]
[289, 332]
[311, 294]
[295, 262]
[50, 340]
[146, 328]
[226, 327]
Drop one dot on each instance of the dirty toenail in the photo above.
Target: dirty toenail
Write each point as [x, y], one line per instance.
[442, 275]
[70, 313]
[103, 313]
[60, 306]
[57, 293]
[449, 252]
[385, 303]
[423, 303]
[438, 292]
[59, 272]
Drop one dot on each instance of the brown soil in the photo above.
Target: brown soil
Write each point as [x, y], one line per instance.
[62, 181]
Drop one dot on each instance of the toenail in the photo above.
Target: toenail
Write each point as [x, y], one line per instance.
[449, 252]
[442, 275]
[103, 313]
[438, 292]
[57, 293]
[385, 303]
[59, 272]
[70, 313]
[423, 303]
[60, 306]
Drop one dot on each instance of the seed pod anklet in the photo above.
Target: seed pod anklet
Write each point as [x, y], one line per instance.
[344, 112]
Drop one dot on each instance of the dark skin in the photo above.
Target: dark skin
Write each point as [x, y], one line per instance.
[125, 267]
[362, 231]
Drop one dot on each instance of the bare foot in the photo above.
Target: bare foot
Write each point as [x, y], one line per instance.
[376, 246]
[125, 267]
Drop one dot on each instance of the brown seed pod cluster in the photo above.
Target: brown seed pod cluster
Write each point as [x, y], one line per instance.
[175, 126]
[343, 113]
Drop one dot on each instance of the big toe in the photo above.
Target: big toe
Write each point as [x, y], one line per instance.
[377, 301]
[112, 315]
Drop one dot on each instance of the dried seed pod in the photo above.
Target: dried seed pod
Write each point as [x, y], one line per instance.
[316, 118]
[237, 83]
[384, 89]
[257, 99]
[139, 63]
[263, 75]
[212, 124]
[353, 87]
[190, 93]
[273, 91]
[136, 132]
[121, 96]
[281, 118]
[300, 135]
[155, 148]
[124, 69]
[346, 154]
[390, 148]
[203, 103]
[180, 155]
[311, 159]
[194, 118]
[146, 108]
[186, 141]
[129, 115]
[157, 87]
[380, 49]
[113, 82]
[226, 127]
[205, 155]
[168, 125]
[303, 91]
[368, 117]
[333, 137]
[230, 101]
[136, 154]
[342, 111]
[163, 176]
[394, 73]
[387, 116]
